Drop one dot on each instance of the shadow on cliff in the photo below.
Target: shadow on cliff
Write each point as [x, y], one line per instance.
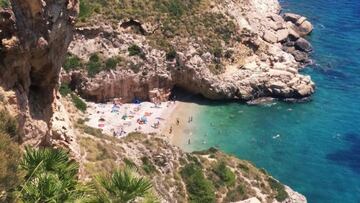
[182, 95]
[349, 157]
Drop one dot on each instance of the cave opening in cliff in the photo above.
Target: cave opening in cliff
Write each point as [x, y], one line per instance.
[135, 25]
[181, 94]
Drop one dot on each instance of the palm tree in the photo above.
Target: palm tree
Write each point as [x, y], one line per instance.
[50, 176]
[121, 187]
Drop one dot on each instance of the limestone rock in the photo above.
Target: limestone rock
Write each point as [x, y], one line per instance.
[282, 35]
[292, 17]
[258, 68]
[299, 24]
[34, 39]
[270, 37]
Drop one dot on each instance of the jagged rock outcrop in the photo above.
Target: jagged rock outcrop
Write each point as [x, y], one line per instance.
[263, 62]
[35, 35]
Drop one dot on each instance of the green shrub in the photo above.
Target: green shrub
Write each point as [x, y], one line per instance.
[10, 155]
[8, 124]
[64, 89]
[94, 58]
[226, 176]
[171, 55]
[50, 176]
[217, 52]
[135, 50]
[244, 167]
[85, 10]
[199, 188]
[281, 194]
[147, 166]
[79, 104]
[4, 3]
[237, 194]
[111, 63]
[94, 65]
[129, 163]
[72, 62]
[135, 67]
[176, 8]
[93, 131]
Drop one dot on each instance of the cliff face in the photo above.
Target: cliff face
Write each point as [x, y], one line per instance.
[239, 50]
[35, 35]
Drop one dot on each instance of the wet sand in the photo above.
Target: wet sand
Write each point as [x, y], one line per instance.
[183, 131]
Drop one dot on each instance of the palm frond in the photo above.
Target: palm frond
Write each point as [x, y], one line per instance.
[123, 186]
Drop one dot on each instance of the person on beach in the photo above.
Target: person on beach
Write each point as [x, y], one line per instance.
[170, 131]
[177, 121]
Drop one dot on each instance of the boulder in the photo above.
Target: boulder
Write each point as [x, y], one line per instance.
[303, 45]
[270, 37]
[292, 17]
[293, 35]
[305, 28]
[300, 20]
[298, 23]
[282, 35]
[300, 56]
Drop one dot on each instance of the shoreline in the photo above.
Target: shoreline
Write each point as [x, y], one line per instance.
[184, 131]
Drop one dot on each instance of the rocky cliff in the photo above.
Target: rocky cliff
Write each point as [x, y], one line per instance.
[207, 176]
[35, 35]
[220, 49]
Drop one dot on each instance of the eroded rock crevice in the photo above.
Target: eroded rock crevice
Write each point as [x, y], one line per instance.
[35, 35]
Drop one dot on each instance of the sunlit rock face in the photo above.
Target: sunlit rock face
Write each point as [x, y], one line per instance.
[35, 35]
[261, 58]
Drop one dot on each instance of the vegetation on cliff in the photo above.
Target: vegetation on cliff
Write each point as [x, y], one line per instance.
[49, 175]
[206, 176]
[4, 3]
[94, 65]
[9, 156]
[169, 21]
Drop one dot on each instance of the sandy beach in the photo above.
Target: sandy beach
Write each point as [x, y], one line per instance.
[177, 120]
[183, 122]
[120, 120]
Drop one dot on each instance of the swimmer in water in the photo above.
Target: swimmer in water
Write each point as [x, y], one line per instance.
[277, 136]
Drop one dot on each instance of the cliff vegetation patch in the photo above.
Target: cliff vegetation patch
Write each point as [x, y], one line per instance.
[167, 21]
[4, 3]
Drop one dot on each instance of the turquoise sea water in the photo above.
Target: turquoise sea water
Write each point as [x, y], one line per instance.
[312, 147]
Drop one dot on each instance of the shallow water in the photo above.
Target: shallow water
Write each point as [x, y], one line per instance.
[312, 147]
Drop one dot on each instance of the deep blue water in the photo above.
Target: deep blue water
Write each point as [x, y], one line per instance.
[312, 147]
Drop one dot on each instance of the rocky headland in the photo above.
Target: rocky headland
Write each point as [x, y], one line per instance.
[224, 50]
